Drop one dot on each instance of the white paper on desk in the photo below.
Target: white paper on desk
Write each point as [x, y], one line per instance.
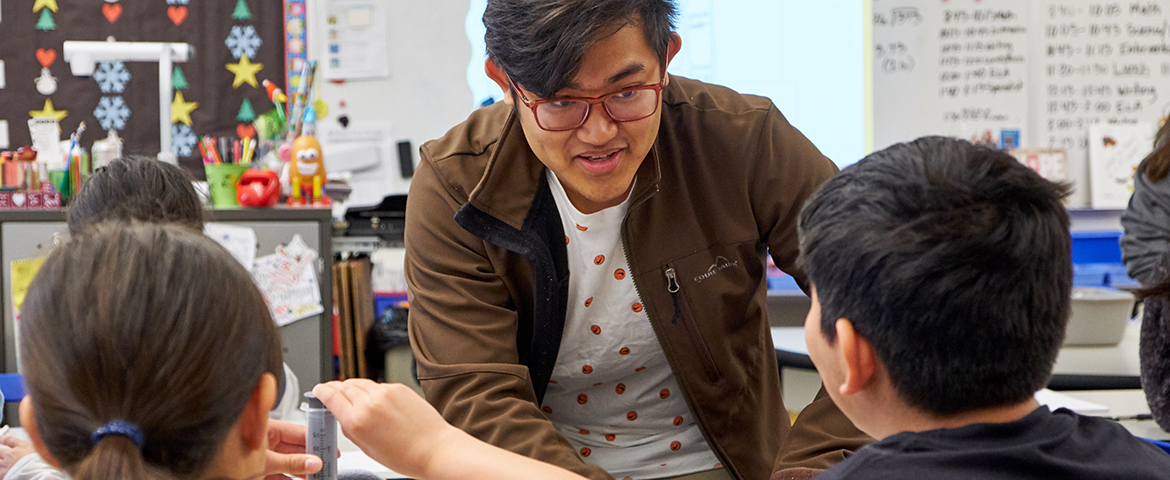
[356, 40]
[239, 241]
[2, 81]
[3, 123]
[1054, 400]
[358, 460]
[289, 283]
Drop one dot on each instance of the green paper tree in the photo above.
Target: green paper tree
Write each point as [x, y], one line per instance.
[178, 80]
[46, 22]
[247, 114]
[242, 12]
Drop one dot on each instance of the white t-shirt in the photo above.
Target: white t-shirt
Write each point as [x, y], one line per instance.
[612, 394]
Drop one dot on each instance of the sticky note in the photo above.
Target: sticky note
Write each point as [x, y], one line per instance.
[4, 134]
[23, 272]
[360, 16]
[1, 73]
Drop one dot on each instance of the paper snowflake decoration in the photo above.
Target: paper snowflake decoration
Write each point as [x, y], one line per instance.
[243, 41]
[182, 140]
[112, 113]
[178, 2]
[112, 77]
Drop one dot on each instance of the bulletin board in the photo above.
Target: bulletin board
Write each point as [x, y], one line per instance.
[238, 44]
[1042, 71]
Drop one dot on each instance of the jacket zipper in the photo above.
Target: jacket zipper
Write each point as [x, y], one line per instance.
[715, 446]
[693, 331]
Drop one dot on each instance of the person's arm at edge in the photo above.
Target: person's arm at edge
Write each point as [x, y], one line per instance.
[1147, 233]
[821, 435]
[399, 429]
[463, 331]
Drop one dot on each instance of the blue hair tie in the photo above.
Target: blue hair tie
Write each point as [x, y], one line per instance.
[119, 428]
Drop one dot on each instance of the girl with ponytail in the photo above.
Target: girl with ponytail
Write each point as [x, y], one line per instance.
[148, 353]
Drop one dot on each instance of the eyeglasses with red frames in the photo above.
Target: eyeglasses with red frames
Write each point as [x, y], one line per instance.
[567, 113]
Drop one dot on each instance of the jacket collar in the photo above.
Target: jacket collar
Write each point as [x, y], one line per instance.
[512, 177]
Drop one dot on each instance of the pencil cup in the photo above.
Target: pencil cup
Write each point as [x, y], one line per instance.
[221, 182]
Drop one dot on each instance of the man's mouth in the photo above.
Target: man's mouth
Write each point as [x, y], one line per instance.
[600, 162]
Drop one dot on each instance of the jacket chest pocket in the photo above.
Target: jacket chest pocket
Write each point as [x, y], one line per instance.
[715, 310]
[682, 317]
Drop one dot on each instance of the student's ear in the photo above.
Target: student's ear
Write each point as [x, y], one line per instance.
[497, 75]
[254, 421]
[858, 358]
[28, 421]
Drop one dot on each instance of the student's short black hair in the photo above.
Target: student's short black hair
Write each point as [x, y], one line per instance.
[953, 261]
[136, 188]
[541, 43]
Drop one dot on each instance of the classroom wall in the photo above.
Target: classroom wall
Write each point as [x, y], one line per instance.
[425, 95]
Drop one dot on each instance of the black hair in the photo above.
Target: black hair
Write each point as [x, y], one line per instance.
[136, 188]
[155, 325]
[951, 259]
[541, 43]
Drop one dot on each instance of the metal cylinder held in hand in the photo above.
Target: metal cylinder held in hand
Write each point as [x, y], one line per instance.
[321, 438]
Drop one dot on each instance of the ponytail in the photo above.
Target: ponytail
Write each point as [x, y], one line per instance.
[116, 456]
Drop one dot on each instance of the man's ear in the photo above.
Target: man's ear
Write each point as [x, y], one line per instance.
[673, 47]
[28, 421]
[254, 420]
[497, 75]
[858, 358]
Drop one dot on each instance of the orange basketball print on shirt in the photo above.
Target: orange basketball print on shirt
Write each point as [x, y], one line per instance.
[675, 446]
[587, 369]
[582, 398]
[610, 437]
[639, 369]
[637, 307]
[598, 384]
[581, 227]
[566, 239]
[588, 301]
[598, 260]
[595, 329]
[664, 393]
[620, 389]
[619, 274]
[585, 451]
[546, 409]
[678, 420]
[583, 431]
[624, 351]
[632, 415]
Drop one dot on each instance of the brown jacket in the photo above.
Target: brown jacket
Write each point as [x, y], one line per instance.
[487, 269]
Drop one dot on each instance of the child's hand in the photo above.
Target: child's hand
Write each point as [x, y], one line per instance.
[286, 452]
[12, 449]
[389, 422]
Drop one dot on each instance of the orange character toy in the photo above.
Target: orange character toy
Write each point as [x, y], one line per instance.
[307, 173]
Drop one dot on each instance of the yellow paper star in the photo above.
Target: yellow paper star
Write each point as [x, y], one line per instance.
[49, 112]
[181, 109]
[40, 4]
[245, 72]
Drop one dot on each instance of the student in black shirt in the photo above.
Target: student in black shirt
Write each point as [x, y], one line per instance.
[942, 278]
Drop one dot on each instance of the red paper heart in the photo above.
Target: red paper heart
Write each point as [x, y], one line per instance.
[245, 130]
[46, 56]
[112, 11]
[178, 14]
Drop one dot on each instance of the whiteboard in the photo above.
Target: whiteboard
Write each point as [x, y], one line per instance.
[1045, 69]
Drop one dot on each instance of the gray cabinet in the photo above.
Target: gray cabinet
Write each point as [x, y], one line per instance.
[307, 343]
